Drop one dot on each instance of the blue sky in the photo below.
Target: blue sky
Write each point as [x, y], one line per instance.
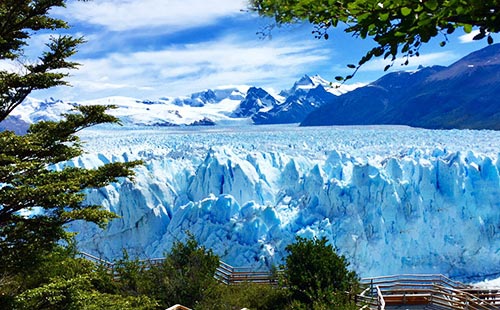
[155, 48]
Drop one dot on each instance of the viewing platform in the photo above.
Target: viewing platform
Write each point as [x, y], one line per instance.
[420, 291]
[405, 291]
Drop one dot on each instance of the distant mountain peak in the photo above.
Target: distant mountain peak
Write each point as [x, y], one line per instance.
[308, 82]
[304, 80]
[463, 95]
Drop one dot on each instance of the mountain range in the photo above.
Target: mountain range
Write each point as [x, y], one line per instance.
[463, 95]
[231, 105]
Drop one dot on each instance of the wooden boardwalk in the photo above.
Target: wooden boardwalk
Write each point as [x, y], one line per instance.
[426, 292]
[407, 291]
[225, 273]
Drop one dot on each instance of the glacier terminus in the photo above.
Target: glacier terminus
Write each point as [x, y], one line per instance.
[392, 199]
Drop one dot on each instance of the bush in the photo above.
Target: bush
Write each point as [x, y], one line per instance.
[247, 295]
[185, 277]
[63, 281]
[317, 275]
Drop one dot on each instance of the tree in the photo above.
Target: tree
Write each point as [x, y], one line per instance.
[396, 26]
[63, 281]
[189, 269]
[317, 275]
[185, 276]
[36, 199]
[20, 19]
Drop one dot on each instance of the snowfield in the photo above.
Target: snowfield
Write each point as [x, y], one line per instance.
[392, 199]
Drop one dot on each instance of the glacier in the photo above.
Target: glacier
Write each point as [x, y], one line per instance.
[392, 199]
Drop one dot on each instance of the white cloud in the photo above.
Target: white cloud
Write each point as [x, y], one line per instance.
[469, 37]
[439, 58]
[172, 15]
[180, 70]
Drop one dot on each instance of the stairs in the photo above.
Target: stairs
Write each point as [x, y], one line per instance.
[433, 292]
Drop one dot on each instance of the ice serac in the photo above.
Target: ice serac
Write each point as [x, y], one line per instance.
[393, 200]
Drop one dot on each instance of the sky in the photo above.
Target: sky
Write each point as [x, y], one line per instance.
[151, 49]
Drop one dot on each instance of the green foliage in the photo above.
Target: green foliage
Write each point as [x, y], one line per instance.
[62, 281]
[186, 276]
[189, 270]
[396, 26]
[316, 275]
[247, 295]
[22, 19]
[36, 199]
[77, 293]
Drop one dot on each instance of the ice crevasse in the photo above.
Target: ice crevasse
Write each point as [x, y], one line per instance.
[425, 211]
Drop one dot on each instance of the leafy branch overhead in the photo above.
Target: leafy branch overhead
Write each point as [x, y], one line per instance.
[399, 27]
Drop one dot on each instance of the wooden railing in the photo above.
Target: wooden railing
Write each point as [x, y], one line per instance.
[380, 299]
[225, 273]
[379, 293]
[236, 275]
[432, 290]
[97, 260]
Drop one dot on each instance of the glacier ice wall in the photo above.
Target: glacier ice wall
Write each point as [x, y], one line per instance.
[392, 199]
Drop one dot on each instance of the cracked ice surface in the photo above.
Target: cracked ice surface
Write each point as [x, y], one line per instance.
[391, 199]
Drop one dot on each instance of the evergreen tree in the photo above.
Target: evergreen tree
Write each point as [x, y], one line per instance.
[21, 19]
[37, 200]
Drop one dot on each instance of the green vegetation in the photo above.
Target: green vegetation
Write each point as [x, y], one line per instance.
[62, 281]
[318, 277]
[37, 200]
[186, 276]
[313, 277]
[396, 26]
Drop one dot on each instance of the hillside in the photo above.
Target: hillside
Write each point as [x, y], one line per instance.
[463, 96]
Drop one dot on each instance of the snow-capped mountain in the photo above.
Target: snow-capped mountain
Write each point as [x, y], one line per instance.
[220, 106]
[257, 100]
[32, 111]
[392, 199]
[463, 95]
[209, 96]
[305, 96]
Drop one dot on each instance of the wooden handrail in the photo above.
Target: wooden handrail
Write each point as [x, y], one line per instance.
[224, 273]
[470, 300]
[419, 278]
[380, 299]
[432, 289]
[435, 290]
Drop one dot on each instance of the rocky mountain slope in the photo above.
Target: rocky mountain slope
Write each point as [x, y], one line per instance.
[464, 95]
